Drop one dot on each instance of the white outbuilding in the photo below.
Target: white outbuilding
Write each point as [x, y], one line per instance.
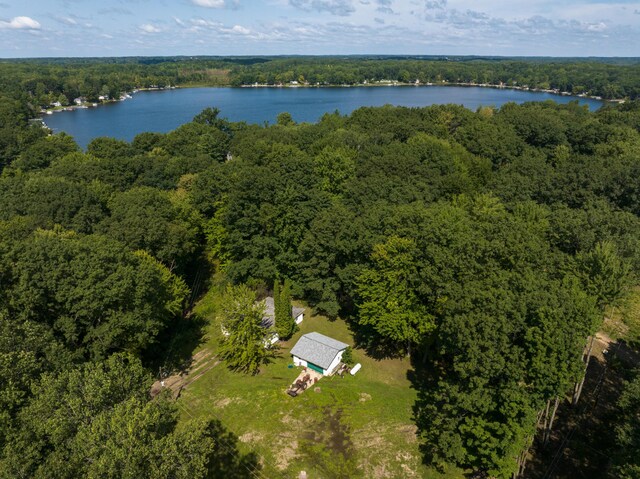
[318, 352]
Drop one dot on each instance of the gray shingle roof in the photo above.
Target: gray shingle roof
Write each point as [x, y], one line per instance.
[269, 318]
[318, 349]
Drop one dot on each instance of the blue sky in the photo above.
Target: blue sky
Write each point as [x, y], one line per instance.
[31, 28]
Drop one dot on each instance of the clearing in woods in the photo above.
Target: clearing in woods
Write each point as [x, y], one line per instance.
[356, 426]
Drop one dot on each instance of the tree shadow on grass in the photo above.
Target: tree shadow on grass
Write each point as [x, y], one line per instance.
[374, 345]
[174, 348]
[327, 444]
[244, 368]
[226, 461]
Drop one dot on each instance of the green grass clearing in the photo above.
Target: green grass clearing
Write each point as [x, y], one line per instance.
[624, 322]
[354, 427]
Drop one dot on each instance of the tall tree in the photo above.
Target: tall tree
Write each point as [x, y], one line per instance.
[285, 324]
[94, 296]
[247, 342]
[96, 421]
[607, 277]
[389, 299]
[626, 458]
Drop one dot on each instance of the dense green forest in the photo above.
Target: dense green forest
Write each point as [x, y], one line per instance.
[40, 82]
[486, 245]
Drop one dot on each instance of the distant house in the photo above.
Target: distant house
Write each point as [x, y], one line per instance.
[79, 101]
[56, 104]
[318, 352]
[269, 318]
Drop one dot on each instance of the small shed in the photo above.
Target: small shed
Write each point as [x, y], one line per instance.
[269, 318]
[318, 352]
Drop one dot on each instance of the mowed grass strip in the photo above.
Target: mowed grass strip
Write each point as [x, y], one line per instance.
[356, 426]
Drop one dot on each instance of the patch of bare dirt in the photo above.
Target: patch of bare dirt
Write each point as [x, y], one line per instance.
[251, 436]
[291, 422]
[409, 432]
[222, 403]
[379, 471]
[286, 454]
[364, 397]
[617, 347]
[377, 456]
[199, 365]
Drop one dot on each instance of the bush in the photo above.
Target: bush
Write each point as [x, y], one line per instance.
[347, 356]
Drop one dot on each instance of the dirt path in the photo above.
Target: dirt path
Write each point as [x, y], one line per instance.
[617, 347]
[200, 364]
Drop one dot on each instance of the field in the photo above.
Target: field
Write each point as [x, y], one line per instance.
[356, 426]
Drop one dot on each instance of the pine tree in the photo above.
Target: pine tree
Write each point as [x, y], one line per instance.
[285, 324]
[285, 298]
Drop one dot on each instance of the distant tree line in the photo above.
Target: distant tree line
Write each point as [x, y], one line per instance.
[576, 77]
[40, 82]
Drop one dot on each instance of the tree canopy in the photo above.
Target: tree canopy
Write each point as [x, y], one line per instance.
[485, 245]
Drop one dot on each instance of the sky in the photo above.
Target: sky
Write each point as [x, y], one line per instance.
[80, 28]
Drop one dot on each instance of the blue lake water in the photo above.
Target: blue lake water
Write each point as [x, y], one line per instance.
[165, 110]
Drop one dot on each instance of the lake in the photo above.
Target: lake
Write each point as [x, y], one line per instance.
[164, 110]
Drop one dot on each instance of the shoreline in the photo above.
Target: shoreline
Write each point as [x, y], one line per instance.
[392, 83]
[379, 84]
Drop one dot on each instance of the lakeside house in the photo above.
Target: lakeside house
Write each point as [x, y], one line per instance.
[318, 352]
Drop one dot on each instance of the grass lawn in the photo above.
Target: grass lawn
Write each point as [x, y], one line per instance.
[359, 426]
[624, 322]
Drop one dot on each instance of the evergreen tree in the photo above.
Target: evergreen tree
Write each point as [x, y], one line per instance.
[285, 324]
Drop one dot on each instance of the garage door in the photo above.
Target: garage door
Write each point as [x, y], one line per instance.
[314, 367]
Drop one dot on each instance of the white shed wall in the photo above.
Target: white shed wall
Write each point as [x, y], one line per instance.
[299, 362]
[334, 364]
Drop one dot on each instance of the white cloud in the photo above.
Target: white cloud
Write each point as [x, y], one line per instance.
[148, 28]
[597, 27]
[201, 22]
[240, 30]
[340, 8]
[21, 23]
[66, 20]
[209, 3]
